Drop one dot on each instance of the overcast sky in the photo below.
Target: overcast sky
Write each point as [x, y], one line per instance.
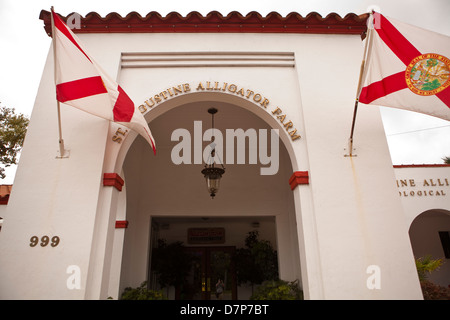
[412, 138]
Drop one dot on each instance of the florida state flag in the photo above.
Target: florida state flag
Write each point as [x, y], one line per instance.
[408, 68]
[81, 83]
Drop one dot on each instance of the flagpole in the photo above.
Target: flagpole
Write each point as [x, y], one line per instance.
[358, 90]
[63, 153]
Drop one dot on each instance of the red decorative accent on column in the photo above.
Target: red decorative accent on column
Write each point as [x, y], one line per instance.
[121, 224]
[4, 200]
[113, 179]
[298, 177]
[5, 191]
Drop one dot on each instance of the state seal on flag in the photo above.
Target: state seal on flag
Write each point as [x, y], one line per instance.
[428, 74]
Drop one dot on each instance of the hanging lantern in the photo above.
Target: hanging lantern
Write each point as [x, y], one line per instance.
[211, 173]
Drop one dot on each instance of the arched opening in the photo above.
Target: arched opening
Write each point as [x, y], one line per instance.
[430, 236]
[165, 200]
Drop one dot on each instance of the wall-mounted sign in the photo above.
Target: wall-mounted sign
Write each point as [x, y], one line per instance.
[423, 187]
[206, 235]
[258, 99]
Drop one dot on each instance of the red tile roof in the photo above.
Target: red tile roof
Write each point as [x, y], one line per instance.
[215, 22]
[399, 166]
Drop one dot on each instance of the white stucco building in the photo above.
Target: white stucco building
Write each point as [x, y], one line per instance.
[83, 227]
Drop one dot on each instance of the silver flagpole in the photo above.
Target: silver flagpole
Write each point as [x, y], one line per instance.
[63, 153]
[358, 90]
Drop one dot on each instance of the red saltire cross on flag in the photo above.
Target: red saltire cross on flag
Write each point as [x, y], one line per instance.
[407, 68]
[81, 83]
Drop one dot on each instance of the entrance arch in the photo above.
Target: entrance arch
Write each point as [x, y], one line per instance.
[217, 98]
[158, 188]
[430, 235]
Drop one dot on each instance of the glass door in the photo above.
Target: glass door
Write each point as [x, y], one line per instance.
[221, 273]
[212, 275]
[194, 285]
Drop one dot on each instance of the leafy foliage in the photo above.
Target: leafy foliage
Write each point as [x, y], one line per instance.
[13, 128]
[432, 63]
[278, 290]
[142, 293]
[426, 265]
[171, 263]
[431, 85]
[256, 262]
[431, 291]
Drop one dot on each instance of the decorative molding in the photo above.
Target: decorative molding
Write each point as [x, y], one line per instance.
[399, 166]
[113, 179]
[215, 22]
[298, 177]
[121, 224]
[206, 59]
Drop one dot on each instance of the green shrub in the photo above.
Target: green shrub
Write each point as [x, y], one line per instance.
[433, 291]
[142, 293]
[278, 290]
[257, 262]
[426, 265]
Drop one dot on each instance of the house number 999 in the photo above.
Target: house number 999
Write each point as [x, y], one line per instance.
[44, 241]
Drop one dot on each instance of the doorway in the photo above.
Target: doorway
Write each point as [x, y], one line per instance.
[211, 267]
[208, 257]
[429, 235]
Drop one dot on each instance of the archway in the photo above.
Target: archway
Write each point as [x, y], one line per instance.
[430, 235]
[158, 188]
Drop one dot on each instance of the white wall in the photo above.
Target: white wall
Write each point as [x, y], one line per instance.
[423, 188]
[52, 197]
[341, 215]
[353, 198]
[425, 195]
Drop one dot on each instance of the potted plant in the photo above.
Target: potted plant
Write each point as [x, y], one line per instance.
[142, 293]
[257, 262]
[278, 290]
[431, 291]
[171, 263]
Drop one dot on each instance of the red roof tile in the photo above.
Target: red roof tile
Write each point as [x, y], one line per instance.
[398, 166]
[215, 22]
